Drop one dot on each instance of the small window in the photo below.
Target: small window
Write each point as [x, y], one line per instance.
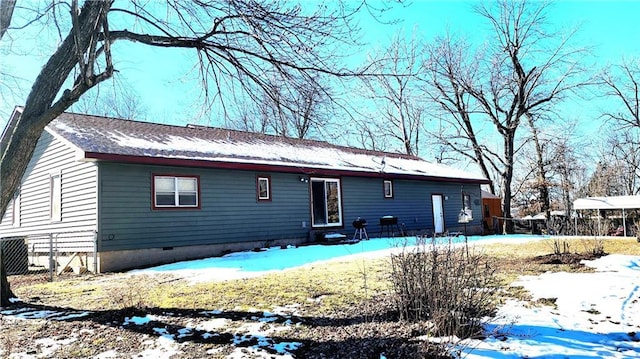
[176, 191]
[55, 198]
[388, 189]
[264, 188]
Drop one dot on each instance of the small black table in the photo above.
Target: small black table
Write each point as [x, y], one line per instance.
[389, 223]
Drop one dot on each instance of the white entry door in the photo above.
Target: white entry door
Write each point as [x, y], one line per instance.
[438, 213]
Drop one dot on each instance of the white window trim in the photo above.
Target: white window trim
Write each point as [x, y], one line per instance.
[55, 196]
[337, 224]
[384, 188]
[176, 192]
[268, 196]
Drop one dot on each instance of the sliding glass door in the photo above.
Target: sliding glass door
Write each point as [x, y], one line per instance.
[326, 202]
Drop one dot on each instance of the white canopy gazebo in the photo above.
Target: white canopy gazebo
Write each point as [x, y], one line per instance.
[609, 203]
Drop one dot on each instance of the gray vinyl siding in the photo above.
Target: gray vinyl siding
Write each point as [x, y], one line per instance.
[78, 192]
[229, 210]
[411, 203]
[231, 213]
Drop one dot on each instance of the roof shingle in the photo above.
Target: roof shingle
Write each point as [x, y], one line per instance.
[98, 136]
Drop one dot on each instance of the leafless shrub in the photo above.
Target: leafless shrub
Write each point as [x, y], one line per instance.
[591, 227]
[450, 286]
[133, 294]
[558, 225]
[594, 246]
[560, 246]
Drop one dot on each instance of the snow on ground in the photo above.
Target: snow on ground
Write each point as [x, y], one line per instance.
[596, 315]
[255, 263]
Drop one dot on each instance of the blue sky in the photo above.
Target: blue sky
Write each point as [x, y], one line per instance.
[163, 79]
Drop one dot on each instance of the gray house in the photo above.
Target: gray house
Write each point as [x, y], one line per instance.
[147, 193]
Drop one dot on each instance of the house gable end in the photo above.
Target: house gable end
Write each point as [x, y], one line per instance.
[79, 152]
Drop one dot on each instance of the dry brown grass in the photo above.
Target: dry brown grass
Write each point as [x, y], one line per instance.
[545, 246]
[318, 289]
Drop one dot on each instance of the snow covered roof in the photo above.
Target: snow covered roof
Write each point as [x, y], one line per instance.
[542, 216]
[614, 202]
[102, 138]
[487, 194]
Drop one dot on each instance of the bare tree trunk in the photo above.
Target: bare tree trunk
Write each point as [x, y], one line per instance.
[6, 13]
[541, 175]
[40, 109]
[5, 290]
[507, 177]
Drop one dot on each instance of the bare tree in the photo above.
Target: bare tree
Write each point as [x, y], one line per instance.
[298, 112]
[551, 169]
[446, 70]
[308, 113]
[569, 170]
[525, 70]
[236, 43]
[118, 101]
[622, 84]
[542, 162]
[621, 153]
[604, 181]
[399, 110]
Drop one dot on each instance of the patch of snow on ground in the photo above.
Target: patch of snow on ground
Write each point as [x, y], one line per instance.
[161, 347]
[138, 320]
[597, 315]
[253, 337]
[109, 354]
[213, 325]
[29, 313]
[260, 333]
[247, 264]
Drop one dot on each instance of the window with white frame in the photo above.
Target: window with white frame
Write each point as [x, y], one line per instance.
[55, 197]
[326, 202]
[388, 188]
[264, 188]
[171, 191]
